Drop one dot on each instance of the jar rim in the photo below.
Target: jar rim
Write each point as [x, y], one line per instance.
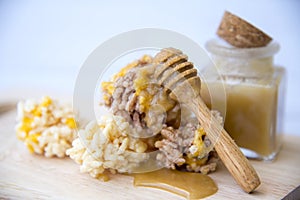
[221, 48]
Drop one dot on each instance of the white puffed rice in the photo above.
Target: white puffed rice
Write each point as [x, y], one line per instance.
[46, 126]
[107, 145]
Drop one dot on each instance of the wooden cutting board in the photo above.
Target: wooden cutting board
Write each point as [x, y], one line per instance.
[27, 176]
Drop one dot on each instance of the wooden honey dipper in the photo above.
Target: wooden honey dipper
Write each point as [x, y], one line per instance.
[179, 78]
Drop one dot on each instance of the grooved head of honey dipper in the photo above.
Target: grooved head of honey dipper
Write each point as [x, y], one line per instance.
[165, 54]
[176, 74]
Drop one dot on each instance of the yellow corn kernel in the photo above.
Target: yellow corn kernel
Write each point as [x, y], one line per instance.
[146, 59]
[33, 137]
[145, 100]
[27, 120]
[190, 160]
[142, 100]
[24, 128]
[142, 82]
[21, 135]
[26, 125]
[141, 85]
[108, 87]
[37, 112]
[46, 101]
[29, 147]
[71, 123]
[106, 99]
[198, 142]
[124, 70]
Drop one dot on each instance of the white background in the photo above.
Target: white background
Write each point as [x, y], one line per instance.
[44, 43]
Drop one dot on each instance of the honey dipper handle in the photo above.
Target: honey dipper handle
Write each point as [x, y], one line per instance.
[232, 157]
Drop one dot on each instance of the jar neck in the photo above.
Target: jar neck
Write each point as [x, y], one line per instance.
[249, 67]
[242, 61]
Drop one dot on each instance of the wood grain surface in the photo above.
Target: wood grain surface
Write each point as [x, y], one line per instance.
[27, 176]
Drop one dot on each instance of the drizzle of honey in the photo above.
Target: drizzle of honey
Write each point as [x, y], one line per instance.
[187, 184]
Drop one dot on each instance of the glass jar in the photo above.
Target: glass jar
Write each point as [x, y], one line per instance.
[255, 90]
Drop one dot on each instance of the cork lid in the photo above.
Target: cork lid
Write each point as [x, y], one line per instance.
[240, 33]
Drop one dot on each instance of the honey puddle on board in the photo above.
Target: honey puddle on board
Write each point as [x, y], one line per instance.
[190, 185]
